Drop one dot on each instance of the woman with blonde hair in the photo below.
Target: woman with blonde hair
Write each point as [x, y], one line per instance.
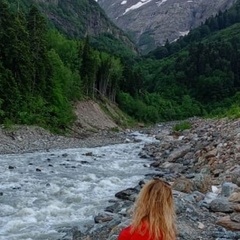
[154, 214]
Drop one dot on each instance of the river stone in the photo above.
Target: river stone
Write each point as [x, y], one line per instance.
[228, 188]
[221, 205]
[127, 194]
[236, 207]
[114, 208]
[235, 175]
[202, 183]
[235, 217]
[102, 218]
[228, 223]
[173, 167]
[234, 197]
[178, 153]
[183, 184]
[211, 153]
[155, 164]
[180, 206]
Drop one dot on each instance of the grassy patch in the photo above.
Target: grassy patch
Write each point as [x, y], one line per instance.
[114, 129]
[182, 126]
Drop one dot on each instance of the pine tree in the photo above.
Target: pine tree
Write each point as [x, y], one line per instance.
[37, 33]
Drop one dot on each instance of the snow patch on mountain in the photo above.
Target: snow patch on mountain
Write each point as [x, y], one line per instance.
[137, 5]
[151, 22]
[183, 33]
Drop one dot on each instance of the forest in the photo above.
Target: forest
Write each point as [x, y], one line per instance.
[43, 72]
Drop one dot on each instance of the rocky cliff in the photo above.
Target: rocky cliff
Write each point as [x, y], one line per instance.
[151, 23]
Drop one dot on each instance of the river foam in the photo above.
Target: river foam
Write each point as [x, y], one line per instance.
[44, 192]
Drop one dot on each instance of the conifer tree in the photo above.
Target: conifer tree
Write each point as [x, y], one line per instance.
[37, 33]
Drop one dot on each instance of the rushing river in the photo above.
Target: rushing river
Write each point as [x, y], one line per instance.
[43, 192]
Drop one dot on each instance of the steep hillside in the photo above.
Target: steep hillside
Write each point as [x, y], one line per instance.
[95, 116]
[151, 23]
[75, 18]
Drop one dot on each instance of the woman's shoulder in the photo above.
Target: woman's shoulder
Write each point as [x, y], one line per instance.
[125, 234]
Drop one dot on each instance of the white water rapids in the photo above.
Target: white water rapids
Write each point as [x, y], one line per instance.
[42, 192]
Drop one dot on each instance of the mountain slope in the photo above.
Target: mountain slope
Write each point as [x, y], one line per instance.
[151, 23]
[76, 18]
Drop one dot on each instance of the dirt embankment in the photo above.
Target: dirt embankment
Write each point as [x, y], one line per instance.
[90, 116]
[93, 127]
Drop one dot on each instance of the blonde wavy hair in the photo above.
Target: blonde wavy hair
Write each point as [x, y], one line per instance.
[155, 208]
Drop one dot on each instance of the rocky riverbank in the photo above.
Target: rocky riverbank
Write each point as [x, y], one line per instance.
[92, 128]
[22, 139]
[202, 164]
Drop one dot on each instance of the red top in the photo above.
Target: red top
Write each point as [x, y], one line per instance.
[126, 235]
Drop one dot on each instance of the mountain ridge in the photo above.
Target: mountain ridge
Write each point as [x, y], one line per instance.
[151, 23]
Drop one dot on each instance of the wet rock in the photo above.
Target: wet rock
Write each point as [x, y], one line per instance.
[89, 154]
[84, 162]
[155, 164]
[116, 207]
[101, 218]
[128, 194]
[143, 155]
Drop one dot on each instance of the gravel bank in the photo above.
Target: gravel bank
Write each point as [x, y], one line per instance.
[23, 139]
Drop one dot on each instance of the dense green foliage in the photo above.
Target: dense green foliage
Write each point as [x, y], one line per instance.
[79, 18]
[77, 13]
[43, 73]
[195, 76]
